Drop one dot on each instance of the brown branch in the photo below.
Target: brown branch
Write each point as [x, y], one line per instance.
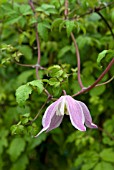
[66, 9]
[78, 60]
[105, 82]
[76, 46]
[96, 9]
[97, 81]
[48, 99]
[37, 38]
[31, 65]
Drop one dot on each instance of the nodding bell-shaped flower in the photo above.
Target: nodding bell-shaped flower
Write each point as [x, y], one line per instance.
[77, 111]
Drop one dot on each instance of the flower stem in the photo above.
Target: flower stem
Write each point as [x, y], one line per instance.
[66, 9]
[78, 60]
[37, 38]
[64, 92]
[76, 46]
[97, 81]
[105, 82]
[96, 9]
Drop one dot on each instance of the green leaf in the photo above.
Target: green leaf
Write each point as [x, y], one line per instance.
[21, 163]
[55, 71]
[56, 22]
[36, 142]
[3, 140]
[22, 78]
[63, 51]
[17, 129]
[54, 82]
[43, 31]
[97, 90]
[103, 165]
[38, 84]
[26, 51]
[16, 147]
[47, 6]
[25, 9]
[22, 94]
[47, 9]
[107, 155]
[62, 25]
[112, 14]
[13, 19]
[69, 27]
[104, 54]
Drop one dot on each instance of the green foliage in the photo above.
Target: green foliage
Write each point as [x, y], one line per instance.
[43, 31]
[63, 51]
[107, 155]
[69, 27]
[47, 9]
[23, 92]
[103, 165]
[104, 53]
[56, 22]
[16, 148]
[21, 163]
[22, 96]
[55, 71]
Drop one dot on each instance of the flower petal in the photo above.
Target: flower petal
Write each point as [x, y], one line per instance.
[50, 111]
[48, 115]
[76, 113]
[55, 122]
[88, 119]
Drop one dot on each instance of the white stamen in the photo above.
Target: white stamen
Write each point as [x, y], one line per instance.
[61, 108]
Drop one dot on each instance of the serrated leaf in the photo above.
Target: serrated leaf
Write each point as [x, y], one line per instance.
[43, 31]
[55, 71]
[54, 82]
[22, 94]
[40, 9]
[69, 27]
[103, 54]
[13, 19]
[16, 148]
[38, 84]
[62, 24]
[56, 22]
[63, 51]
[25, 9]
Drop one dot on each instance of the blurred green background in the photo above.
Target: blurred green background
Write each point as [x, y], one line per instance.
[65, 147]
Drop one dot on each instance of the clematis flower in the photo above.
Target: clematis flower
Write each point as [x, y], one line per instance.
[77, 111]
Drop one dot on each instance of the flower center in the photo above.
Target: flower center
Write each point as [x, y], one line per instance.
[61, 108]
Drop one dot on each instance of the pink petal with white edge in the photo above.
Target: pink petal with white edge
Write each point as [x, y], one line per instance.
[76, 113]
[50, 111]
[55, 122]
[48, 115]
[88, 119]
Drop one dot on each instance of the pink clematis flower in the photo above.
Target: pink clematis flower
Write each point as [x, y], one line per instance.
[77, 111]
